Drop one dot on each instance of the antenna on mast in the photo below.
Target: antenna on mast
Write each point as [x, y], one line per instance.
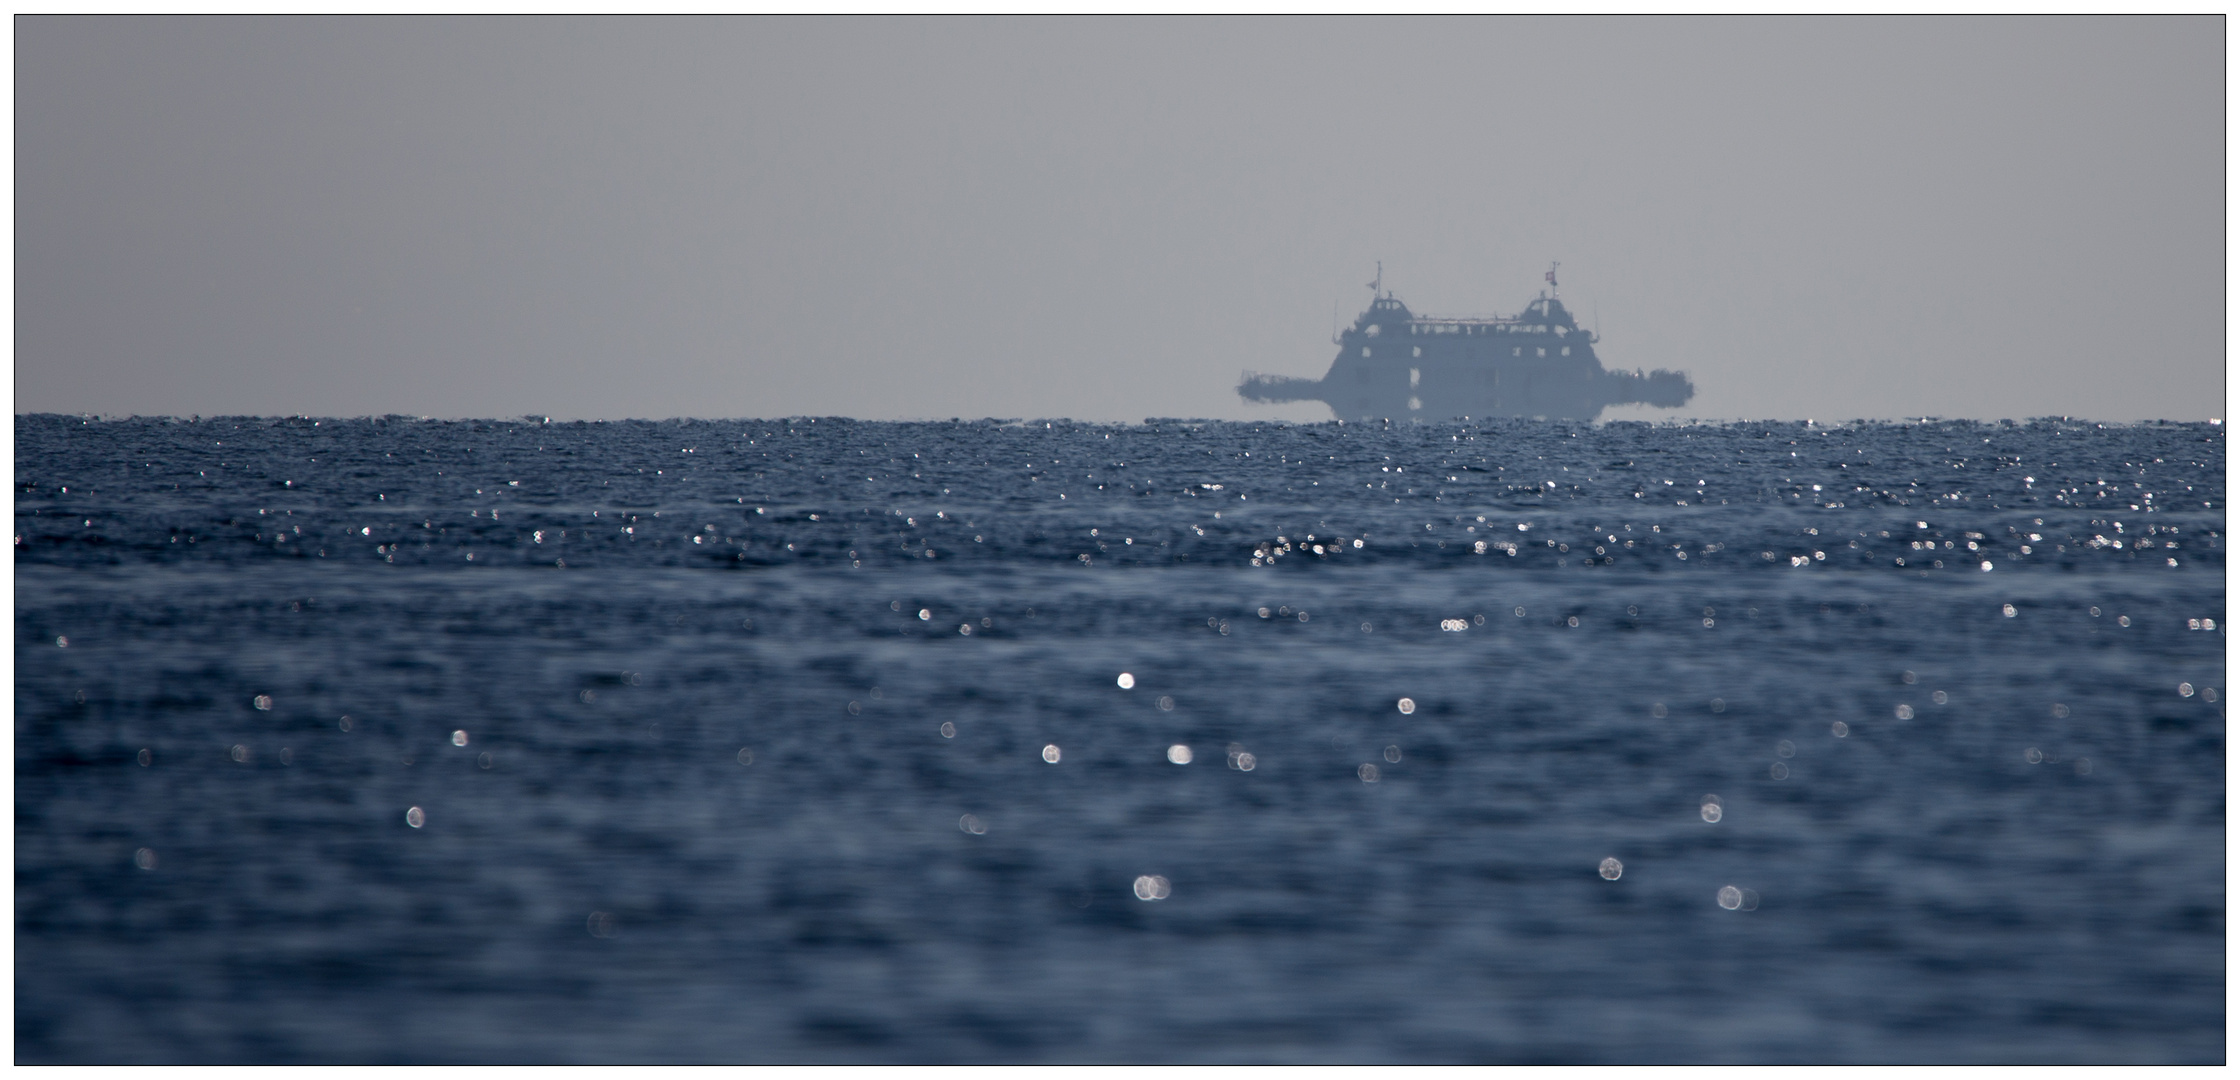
[1552, 275]
[1376, 288]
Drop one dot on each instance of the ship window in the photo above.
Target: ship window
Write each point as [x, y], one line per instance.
[1374, 330]
[1542, 352]
[1364, 350]
[1419, 350]
[1567, 350]
[1415, 378]
[1518, 351]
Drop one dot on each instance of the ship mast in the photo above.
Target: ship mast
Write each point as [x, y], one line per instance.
[1376, 288]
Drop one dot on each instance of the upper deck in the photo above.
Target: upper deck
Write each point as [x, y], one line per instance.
[1387, 314]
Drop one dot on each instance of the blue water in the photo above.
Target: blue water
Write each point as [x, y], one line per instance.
[752, 721]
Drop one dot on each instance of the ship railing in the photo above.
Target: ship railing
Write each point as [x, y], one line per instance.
[1439, 325]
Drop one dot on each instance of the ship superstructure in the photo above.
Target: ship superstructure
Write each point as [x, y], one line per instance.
[1394, 363]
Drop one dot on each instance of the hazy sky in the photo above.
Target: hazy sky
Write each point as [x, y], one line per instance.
[1106, 218]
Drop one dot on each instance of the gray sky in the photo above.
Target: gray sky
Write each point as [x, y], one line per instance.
[1106, 219]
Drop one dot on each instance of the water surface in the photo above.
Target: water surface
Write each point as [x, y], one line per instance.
[730, 741]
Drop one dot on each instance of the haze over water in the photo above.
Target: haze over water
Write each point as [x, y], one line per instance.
[821, 740]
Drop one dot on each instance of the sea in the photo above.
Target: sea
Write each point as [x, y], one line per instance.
[396, 740]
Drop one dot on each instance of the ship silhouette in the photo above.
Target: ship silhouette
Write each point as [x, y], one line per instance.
[1395, 363]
